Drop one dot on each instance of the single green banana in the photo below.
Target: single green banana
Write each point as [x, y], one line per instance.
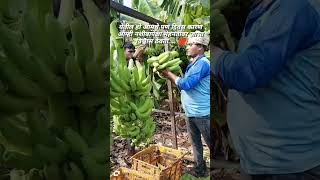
[19, 83]
[72, 171]
[134, 133]
[93, 169]
[40, 134]
[101, 130]
[15, 135]
[148, 104]
[58, 40]
[60, 115]
[133, 117]
[146, 80]
[174, 54]
[130, 64]
[152, 60]
[81, 41]
[114, 103]
[35, 174]
[11, 104]
[141, 71]
[52, 154]
[95, 78]
[155, 64]
[98, 28]
[119, 81]
[74, 74]
[164, 59]
[38, 41]
[21, 161]
[115, 94]
[88, 100]
[133, 85]
[76, 142]
[136, 77]
[163, 55]
[52, 172]
[114, 34]
[174, 68]
[133, 106]
[115, 86]
[66, 11]
[144, 114]
[52, 82]
[99, 152]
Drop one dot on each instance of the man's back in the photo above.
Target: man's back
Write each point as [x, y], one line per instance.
[276, 128]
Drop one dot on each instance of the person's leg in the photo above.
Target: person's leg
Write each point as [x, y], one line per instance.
[195, 139]
[203, 124]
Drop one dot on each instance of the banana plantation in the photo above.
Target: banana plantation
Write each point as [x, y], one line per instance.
[145, 106]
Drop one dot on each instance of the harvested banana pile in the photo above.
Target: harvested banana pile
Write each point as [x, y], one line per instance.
[54, 121]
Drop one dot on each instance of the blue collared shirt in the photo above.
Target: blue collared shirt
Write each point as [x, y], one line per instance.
[195, 88]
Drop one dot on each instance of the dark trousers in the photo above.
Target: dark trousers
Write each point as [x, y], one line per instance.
[196, 127]
[312, 174]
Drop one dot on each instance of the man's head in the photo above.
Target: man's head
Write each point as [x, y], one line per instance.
[129, 50]
[197, 45]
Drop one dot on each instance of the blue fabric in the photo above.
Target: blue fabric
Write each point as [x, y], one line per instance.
[195, 88]
[274, 100]
[283, 34]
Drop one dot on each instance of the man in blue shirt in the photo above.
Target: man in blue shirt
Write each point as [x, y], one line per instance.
[195, 98]
[274, 90]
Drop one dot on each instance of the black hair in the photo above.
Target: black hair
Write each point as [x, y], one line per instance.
[128, 45]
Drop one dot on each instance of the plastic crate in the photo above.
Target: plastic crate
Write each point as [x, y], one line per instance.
[129, 174]
[160, 161]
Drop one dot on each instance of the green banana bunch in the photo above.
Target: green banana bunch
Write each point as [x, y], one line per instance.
[134, 120]
[166, 60]
[131, 104]
[53, 117]
[195, 13]
[133, 80]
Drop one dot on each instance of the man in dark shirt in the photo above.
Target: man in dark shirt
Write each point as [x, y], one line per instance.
[274, 90]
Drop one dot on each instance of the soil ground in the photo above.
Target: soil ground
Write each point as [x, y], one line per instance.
[119, 150]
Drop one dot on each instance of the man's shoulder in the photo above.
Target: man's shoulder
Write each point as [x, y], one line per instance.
[296, 5]
[203, 60]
